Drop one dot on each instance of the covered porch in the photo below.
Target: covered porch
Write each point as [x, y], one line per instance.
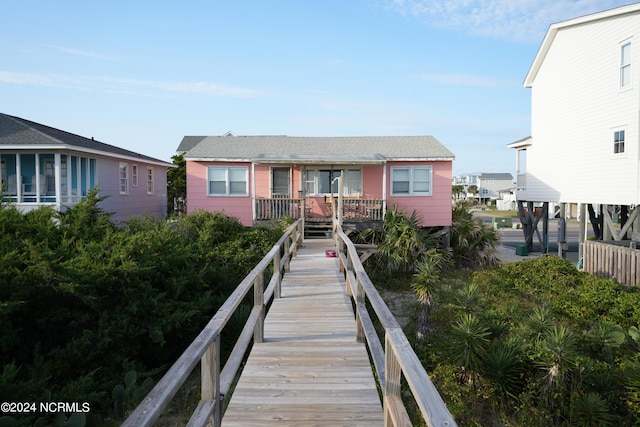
[37, 178]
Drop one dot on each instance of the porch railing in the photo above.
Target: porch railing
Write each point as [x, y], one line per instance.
[278, 208]
[354, 209]
[612, 260]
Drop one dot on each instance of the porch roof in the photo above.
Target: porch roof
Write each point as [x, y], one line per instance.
[20, 134]
[294, 149]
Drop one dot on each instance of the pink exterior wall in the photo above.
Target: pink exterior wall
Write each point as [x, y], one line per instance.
[372, 177]
[237, 206]
[435, 210]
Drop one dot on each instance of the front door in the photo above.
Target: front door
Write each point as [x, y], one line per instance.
[280, 182]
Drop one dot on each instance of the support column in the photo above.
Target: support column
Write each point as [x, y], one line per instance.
[582, 235]
[606, 231]
[562, 227]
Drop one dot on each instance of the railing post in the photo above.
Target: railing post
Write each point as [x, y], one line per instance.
[210, 379]
[393, 372]
[276, 271]
[360, 303]
[287, 262]
[258, 301]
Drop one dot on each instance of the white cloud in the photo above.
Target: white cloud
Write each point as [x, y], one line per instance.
[521, 20]
[130, 86]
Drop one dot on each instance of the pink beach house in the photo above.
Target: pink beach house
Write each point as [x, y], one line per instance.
[257, 178]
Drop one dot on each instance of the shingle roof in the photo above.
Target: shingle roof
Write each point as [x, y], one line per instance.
[496, 176]
[273, 148]
[16, 132]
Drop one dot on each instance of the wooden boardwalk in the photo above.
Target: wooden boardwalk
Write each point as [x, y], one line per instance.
[309, 371]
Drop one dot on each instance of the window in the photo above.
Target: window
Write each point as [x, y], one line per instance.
[625, 65]
[618, 141]
[134, 175]
[321, 181]
[228, 181]
[411, 181]
[149, 180]
[124, 179]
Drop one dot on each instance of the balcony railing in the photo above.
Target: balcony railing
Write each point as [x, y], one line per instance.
[354, 209]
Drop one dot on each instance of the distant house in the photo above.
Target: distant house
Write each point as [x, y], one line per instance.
[263, 177]
[585, 128]
[41, 165]
[488, 185]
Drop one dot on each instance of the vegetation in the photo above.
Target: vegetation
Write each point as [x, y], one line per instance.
[92, 312]
[536, 343]
[530, 343]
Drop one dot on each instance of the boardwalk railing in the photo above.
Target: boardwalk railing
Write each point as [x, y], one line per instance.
[397, 359]
[215, 379]
[612, 260]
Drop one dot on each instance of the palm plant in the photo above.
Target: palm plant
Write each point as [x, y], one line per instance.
[402, 244]
[504, 368]
[590, 410]
[425, 283]
[560, 343]
[469, 340]
[473, 242]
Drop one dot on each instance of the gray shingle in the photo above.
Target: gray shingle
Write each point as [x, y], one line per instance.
[328, 149]
[15, 131]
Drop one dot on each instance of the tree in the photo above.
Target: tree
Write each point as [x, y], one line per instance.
[457, 191]
[177, 185]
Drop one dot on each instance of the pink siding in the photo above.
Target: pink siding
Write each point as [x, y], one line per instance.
[372, 177]
[435, 210]
[197, 199]
[263, 180]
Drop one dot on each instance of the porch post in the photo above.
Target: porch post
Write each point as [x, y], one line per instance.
[58, 177]
[18, 178]
[384, 188]
[37, 177]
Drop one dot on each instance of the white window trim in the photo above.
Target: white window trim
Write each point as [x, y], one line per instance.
[313, 178]
[123, 180]
[134, 175]
[226, 169]
[411, 169]
[621, 66]
[613, 141]
[150, 183]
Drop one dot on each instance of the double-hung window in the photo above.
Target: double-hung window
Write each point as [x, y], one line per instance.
[411, 181]
[149, 180]
[228, 181]
[618, 141]
[625, 65]
[124, 179]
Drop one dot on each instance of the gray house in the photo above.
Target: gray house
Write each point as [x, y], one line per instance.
[41, 165]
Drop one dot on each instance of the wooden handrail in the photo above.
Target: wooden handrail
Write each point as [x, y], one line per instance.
[205, 348]
[397, 358]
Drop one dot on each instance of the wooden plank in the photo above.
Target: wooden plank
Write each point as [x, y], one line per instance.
[309, 370]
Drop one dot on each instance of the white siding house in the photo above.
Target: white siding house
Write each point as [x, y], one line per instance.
[584, 143]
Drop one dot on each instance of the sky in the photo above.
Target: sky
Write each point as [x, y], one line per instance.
[142, 74]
